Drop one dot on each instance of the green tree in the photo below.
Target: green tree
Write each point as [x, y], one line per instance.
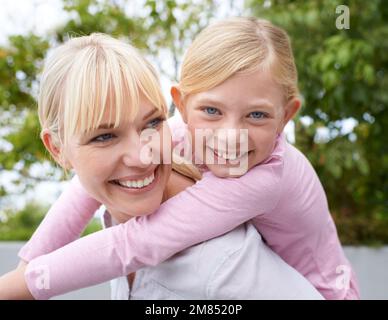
[342, 75]
[20, 225]
[20, 63]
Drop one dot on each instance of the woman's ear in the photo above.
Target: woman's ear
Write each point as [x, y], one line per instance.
[178, 101]
[290, 109]
[52, 145]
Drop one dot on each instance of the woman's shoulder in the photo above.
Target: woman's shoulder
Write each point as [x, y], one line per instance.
[189, 273]
[236, 265]
[254, 271]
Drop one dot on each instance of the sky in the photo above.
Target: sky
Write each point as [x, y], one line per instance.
[21, 16]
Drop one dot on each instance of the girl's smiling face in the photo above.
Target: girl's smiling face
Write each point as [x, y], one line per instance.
[108, 163]
[251, 101]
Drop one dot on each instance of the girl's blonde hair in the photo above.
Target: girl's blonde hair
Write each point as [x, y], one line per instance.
[186, 169]
[90, 75]
[237, 45]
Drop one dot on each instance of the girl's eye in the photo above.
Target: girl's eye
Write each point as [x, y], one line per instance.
[103, 137]
[257, 115]
[211, 111]
[154, 123]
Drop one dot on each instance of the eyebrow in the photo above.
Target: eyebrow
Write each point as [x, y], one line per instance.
[106, 126]
[210, 101]
[254, 105]
[149, 114]
[261, 105]
[111, 125]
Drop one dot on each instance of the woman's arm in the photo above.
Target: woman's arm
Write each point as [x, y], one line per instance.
[64, 222]
[208, 209]
[13, 285]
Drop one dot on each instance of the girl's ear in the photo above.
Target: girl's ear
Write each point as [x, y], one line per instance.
[55, 150]
[178, 101]
[290, 109]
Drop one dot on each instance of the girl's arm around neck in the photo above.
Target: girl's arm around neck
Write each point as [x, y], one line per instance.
[211, 207]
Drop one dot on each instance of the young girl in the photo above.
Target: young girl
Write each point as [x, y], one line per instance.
[97, 96]
[238, 73]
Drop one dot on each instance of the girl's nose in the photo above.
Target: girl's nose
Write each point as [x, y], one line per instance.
[232, 134]
[232, 123]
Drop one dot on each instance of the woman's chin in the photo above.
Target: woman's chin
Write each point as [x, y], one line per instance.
[136, 211]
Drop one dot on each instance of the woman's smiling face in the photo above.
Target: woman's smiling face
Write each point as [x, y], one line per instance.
[109, 164]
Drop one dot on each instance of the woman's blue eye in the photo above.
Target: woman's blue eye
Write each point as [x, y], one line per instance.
[211, 110]
[103, 137]
[257, 115]
[154, 123]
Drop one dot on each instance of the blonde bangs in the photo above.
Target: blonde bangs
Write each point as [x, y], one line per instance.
[204, 72]
[148, 85]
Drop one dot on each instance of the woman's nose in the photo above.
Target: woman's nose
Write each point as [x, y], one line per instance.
[133, 153]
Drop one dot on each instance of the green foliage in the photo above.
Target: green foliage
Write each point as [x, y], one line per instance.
[20, 64]
[342, 74]
[26, 144]
[361, 230]
[175, 34]
[20, 225]
[90, 16]
[93, 226]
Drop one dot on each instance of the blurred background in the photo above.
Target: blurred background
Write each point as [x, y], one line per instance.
[342, 127]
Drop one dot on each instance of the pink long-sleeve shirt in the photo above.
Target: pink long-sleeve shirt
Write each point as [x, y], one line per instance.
[282, 196]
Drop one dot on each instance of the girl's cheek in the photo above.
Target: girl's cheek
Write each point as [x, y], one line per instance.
[199, 123]
[195, 119]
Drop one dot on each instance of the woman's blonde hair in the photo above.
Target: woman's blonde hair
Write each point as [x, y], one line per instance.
[90, 75]
[237, 45]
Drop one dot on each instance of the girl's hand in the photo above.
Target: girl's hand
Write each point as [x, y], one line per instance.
[13, 286]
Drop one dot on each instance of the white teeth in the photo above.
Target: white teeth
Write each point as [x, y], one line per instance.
[137, 183]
